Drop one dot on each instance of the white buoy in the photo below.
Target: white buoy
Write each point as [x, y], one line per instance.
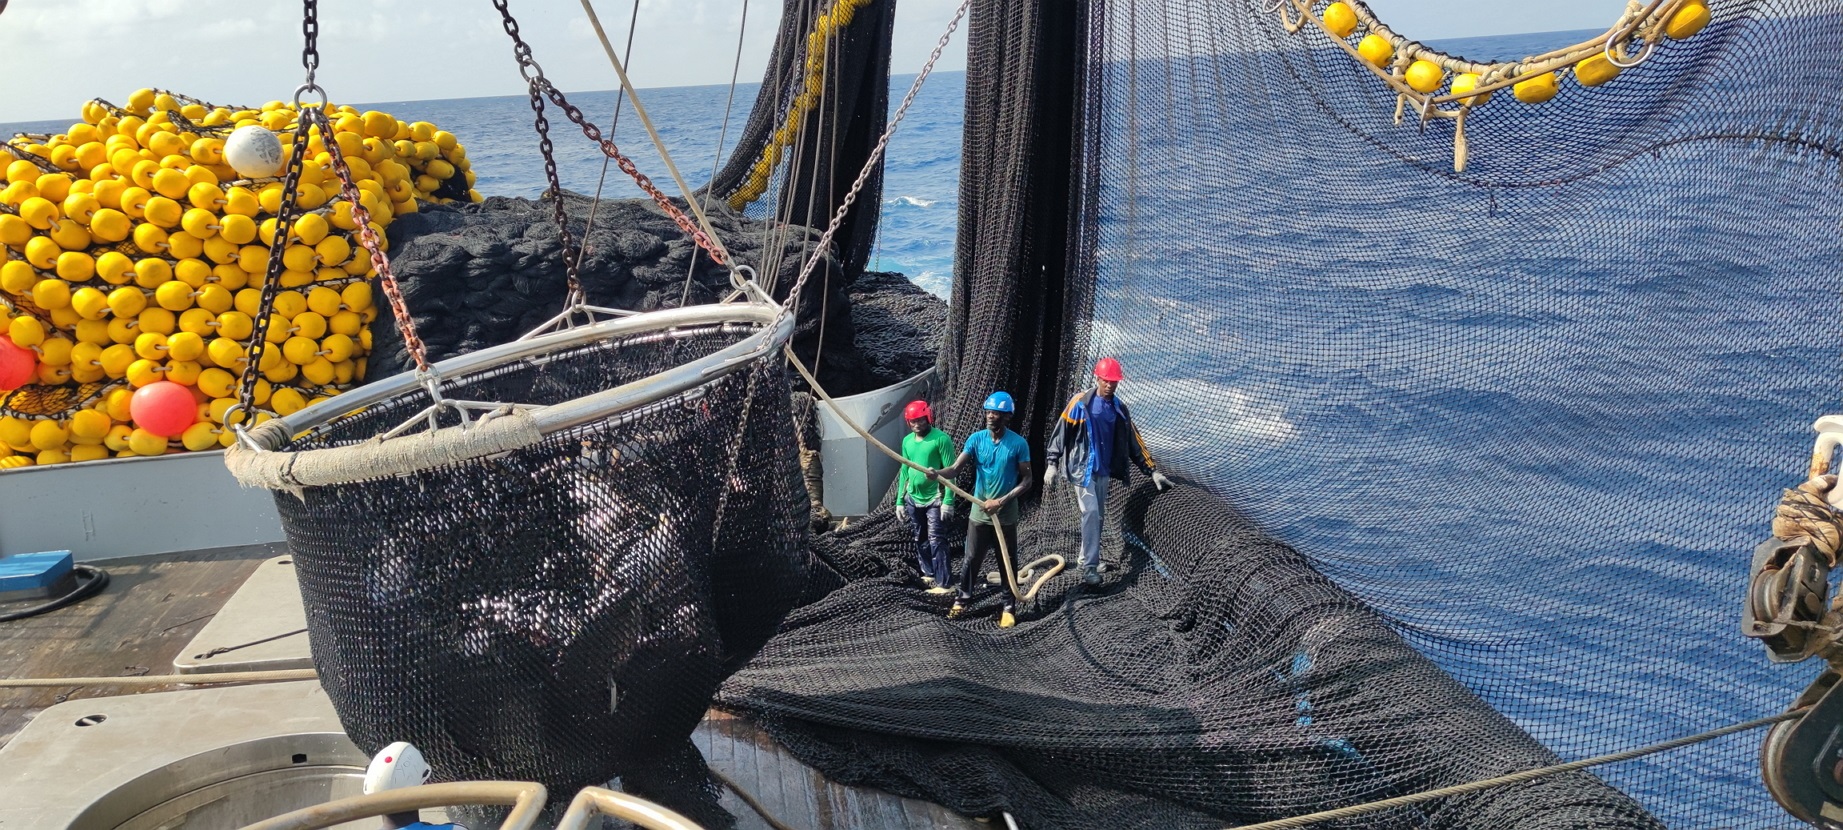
[254, 152]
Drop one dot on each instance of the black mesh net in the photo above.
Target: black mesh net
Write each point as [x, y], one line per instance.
[561, 613]
[1473, 460]
[1478, 456]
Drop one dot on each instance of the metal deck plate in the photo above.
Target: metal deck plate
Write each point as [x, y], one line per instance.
[267, 605]
[148, 760]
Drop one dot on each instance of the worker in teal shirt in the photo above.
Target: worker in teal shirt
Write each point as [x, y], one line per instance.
[1002, 464]
[920, 500]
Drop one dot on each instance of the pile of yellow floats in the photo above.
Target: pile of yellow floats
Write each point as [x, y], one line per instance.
[132, 258]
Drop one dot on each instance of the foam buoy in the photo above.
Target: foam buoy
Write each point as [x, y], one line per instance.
[1535, 90]
[143, 265]
[254, 152]
[1424, 76]
[1688, 20]
[163, 408]
[18, 365]
[1340, 19]
[1376, 49]
[1462, 87]
[1595, 70]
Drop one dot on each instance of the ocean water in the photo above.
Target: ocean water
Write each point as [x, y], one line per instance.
[1689, 633]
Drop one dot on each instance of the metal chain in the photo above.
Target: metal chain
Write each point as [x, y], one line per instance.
[308, 119]
[310, 29]
[368, 239]
[272, 282]
[534, 75]
[571, 253]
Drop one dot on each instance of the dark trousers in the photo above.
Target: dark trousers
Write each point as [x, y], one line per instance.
[930, 541]
[980, 538]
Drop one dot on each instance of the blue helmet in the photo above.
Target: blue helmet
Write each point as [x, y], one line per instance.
[1000, 402]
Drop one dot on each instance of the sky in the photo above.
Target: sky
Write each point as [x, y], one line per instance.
[56, 54]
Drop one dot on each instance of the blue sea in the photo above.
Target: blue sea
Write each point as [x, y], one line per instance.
[1686, 589]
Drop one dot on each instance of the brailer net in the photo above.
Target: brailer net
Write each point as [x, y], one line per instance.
[1477, 458]
[563, 611]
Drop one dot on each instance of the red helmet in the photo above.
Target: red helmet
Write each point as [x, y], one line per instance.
[917, 409]
[1108, 369]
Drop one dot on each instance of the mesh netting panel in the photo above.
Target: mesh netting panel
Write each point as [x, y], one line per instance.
[1536, 413]
[561, 613]
[1480, 456]
[1218, 678]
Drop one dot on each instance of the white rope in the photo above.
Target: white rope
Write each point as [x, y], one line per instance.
[722, 132]
[1516, 777]
[614, 125]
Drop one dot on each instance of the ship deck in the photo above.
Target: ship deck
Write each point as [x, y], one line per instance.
[154, 605]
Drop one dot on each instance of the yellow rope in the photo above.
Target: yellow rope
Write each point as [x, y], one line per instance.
[811, 90]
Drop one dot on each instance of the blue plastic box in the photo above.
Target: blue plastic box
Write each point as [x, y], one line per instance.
[34, 575]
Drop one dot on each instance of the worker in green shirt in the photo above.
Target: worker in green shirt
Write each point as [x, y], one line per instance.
[921, 501]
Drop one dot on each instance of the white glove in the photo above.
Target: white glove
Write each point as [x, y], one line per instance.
[1159, 480]
[1050, 478]
[946, 512]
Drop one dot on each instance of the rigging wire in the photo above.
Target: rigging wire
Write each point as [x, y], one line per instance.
[777, 229]
[665, 155]
[825, 285]
[875, 157]
[722, 132]
[614, 126]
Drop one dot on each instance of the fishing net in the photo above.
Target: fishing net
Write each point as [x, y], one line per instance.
[820, 109]
[1478, 455]
[555, 607]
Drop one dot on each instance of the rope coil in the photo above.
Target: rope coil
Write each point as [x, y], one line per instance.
[1804, 516]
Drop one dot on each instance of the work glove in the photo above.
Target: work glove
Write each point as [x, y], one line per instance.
[1159, 480]
[946, 512]
[1050, 478]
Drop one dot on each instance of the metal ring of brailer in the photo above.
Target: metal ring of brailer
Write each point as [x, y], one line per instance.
[741, 277]
[1624, 34]
[310, 86]
[774, 331]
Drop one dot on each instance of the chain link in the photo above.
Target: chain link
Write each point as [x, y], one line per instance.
[310, 29]
[272, 281]
[572, 262]
[368, 239]
[310, 118]
[534, 76]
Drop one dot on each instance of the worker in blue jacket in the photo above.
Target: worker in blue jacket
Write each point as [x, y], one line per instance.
[1093, 442]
